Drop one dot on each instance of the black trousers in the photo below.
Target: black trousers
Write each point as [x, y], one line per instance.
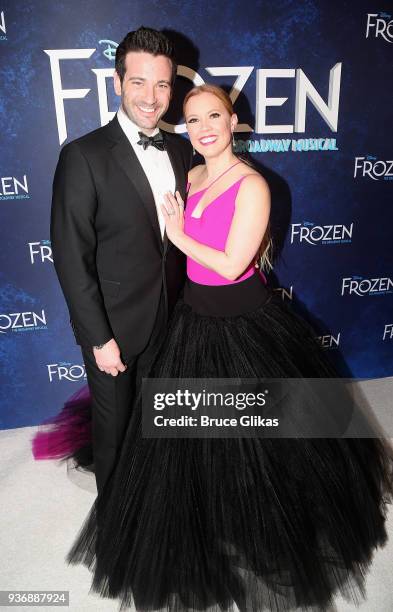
[112, 399]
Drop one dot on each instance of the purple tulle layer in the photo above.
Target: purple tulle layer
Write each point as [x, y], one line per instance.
[68, 433]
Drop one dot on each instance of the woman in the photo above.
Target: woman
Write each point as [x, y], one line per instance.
[257, 523]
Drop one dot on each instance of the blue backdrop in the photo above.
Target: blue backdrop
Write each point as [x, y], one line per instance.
[312, 84]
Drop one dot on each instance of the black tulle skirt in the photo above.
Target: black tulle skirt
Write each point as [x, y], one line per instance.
[257, 523]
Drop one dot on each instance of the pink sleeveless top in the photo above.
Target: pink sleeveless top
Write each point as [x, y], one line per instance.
[212, 229]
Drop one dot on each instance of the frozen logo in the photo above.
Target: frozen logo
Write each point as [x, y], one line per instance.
[110, 51]
[12, 188]
[40, 251]
[373, 168]
[286, 293]
[3, 29]
[380, 26]
[328, 341]
[22, 322]
[305, 92]
[358, 285]
[309, 233]
[66, 371]
[388, 332]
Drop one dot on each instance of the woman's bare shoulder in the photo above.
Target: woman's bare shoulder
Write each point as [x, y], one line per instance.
[245, 169]
[254, 187]
[195, 172]
[253, 179]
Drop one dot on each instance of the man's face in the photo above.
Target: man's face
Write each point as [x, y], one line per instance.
[146, 88]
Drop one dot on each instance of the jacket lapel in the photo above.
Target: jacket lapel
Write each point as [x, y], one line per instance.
[129, 162]
[177, 165]
[125, 156]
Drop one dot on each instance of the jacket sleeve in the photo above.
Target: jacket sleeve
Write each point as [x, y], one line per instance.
[74, 243]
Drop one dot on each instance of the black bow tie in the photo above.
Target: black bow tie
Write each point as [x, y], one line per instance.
[156, 141]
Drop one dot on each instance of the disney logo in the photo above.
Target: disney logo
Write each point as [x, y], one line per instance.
[110, 50]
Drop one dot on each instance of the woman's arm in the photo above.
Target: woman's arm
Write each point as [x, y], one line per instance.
[245, 235]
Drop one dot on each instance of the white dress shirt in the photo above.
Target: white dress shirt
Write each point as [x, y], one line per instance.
[155, 163]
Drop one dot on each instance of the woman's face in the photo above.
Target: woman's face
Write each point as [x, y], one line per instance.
[209, 124]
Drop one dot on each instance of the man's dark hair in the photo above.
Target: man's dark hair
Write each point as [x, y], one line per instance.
[148, 40]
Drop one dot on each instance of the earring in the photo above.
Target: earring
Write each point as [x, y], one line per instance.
[193, 151]
[233, 140]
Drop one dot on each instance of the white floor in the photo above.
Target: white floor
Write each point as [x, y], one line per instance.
[43, 506]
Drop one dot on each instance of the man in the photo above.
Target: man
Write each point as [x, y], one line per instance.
[119, 273]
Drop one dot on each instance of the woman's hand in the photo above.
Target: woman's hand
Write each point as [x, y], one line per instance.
[173, 211]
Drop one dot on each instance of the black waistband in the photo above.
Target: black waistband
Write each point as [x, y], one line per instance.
[227, 300]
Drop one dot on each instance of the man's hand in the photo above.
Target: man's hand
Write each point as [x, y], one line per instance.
[108, 358]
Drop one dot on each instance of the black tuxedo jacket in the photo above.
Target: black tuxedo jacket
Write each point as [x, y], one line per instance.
[107, 247]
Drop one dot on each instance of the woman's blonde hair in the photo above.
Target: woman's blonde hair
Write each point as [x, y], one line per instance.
[265, 252]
